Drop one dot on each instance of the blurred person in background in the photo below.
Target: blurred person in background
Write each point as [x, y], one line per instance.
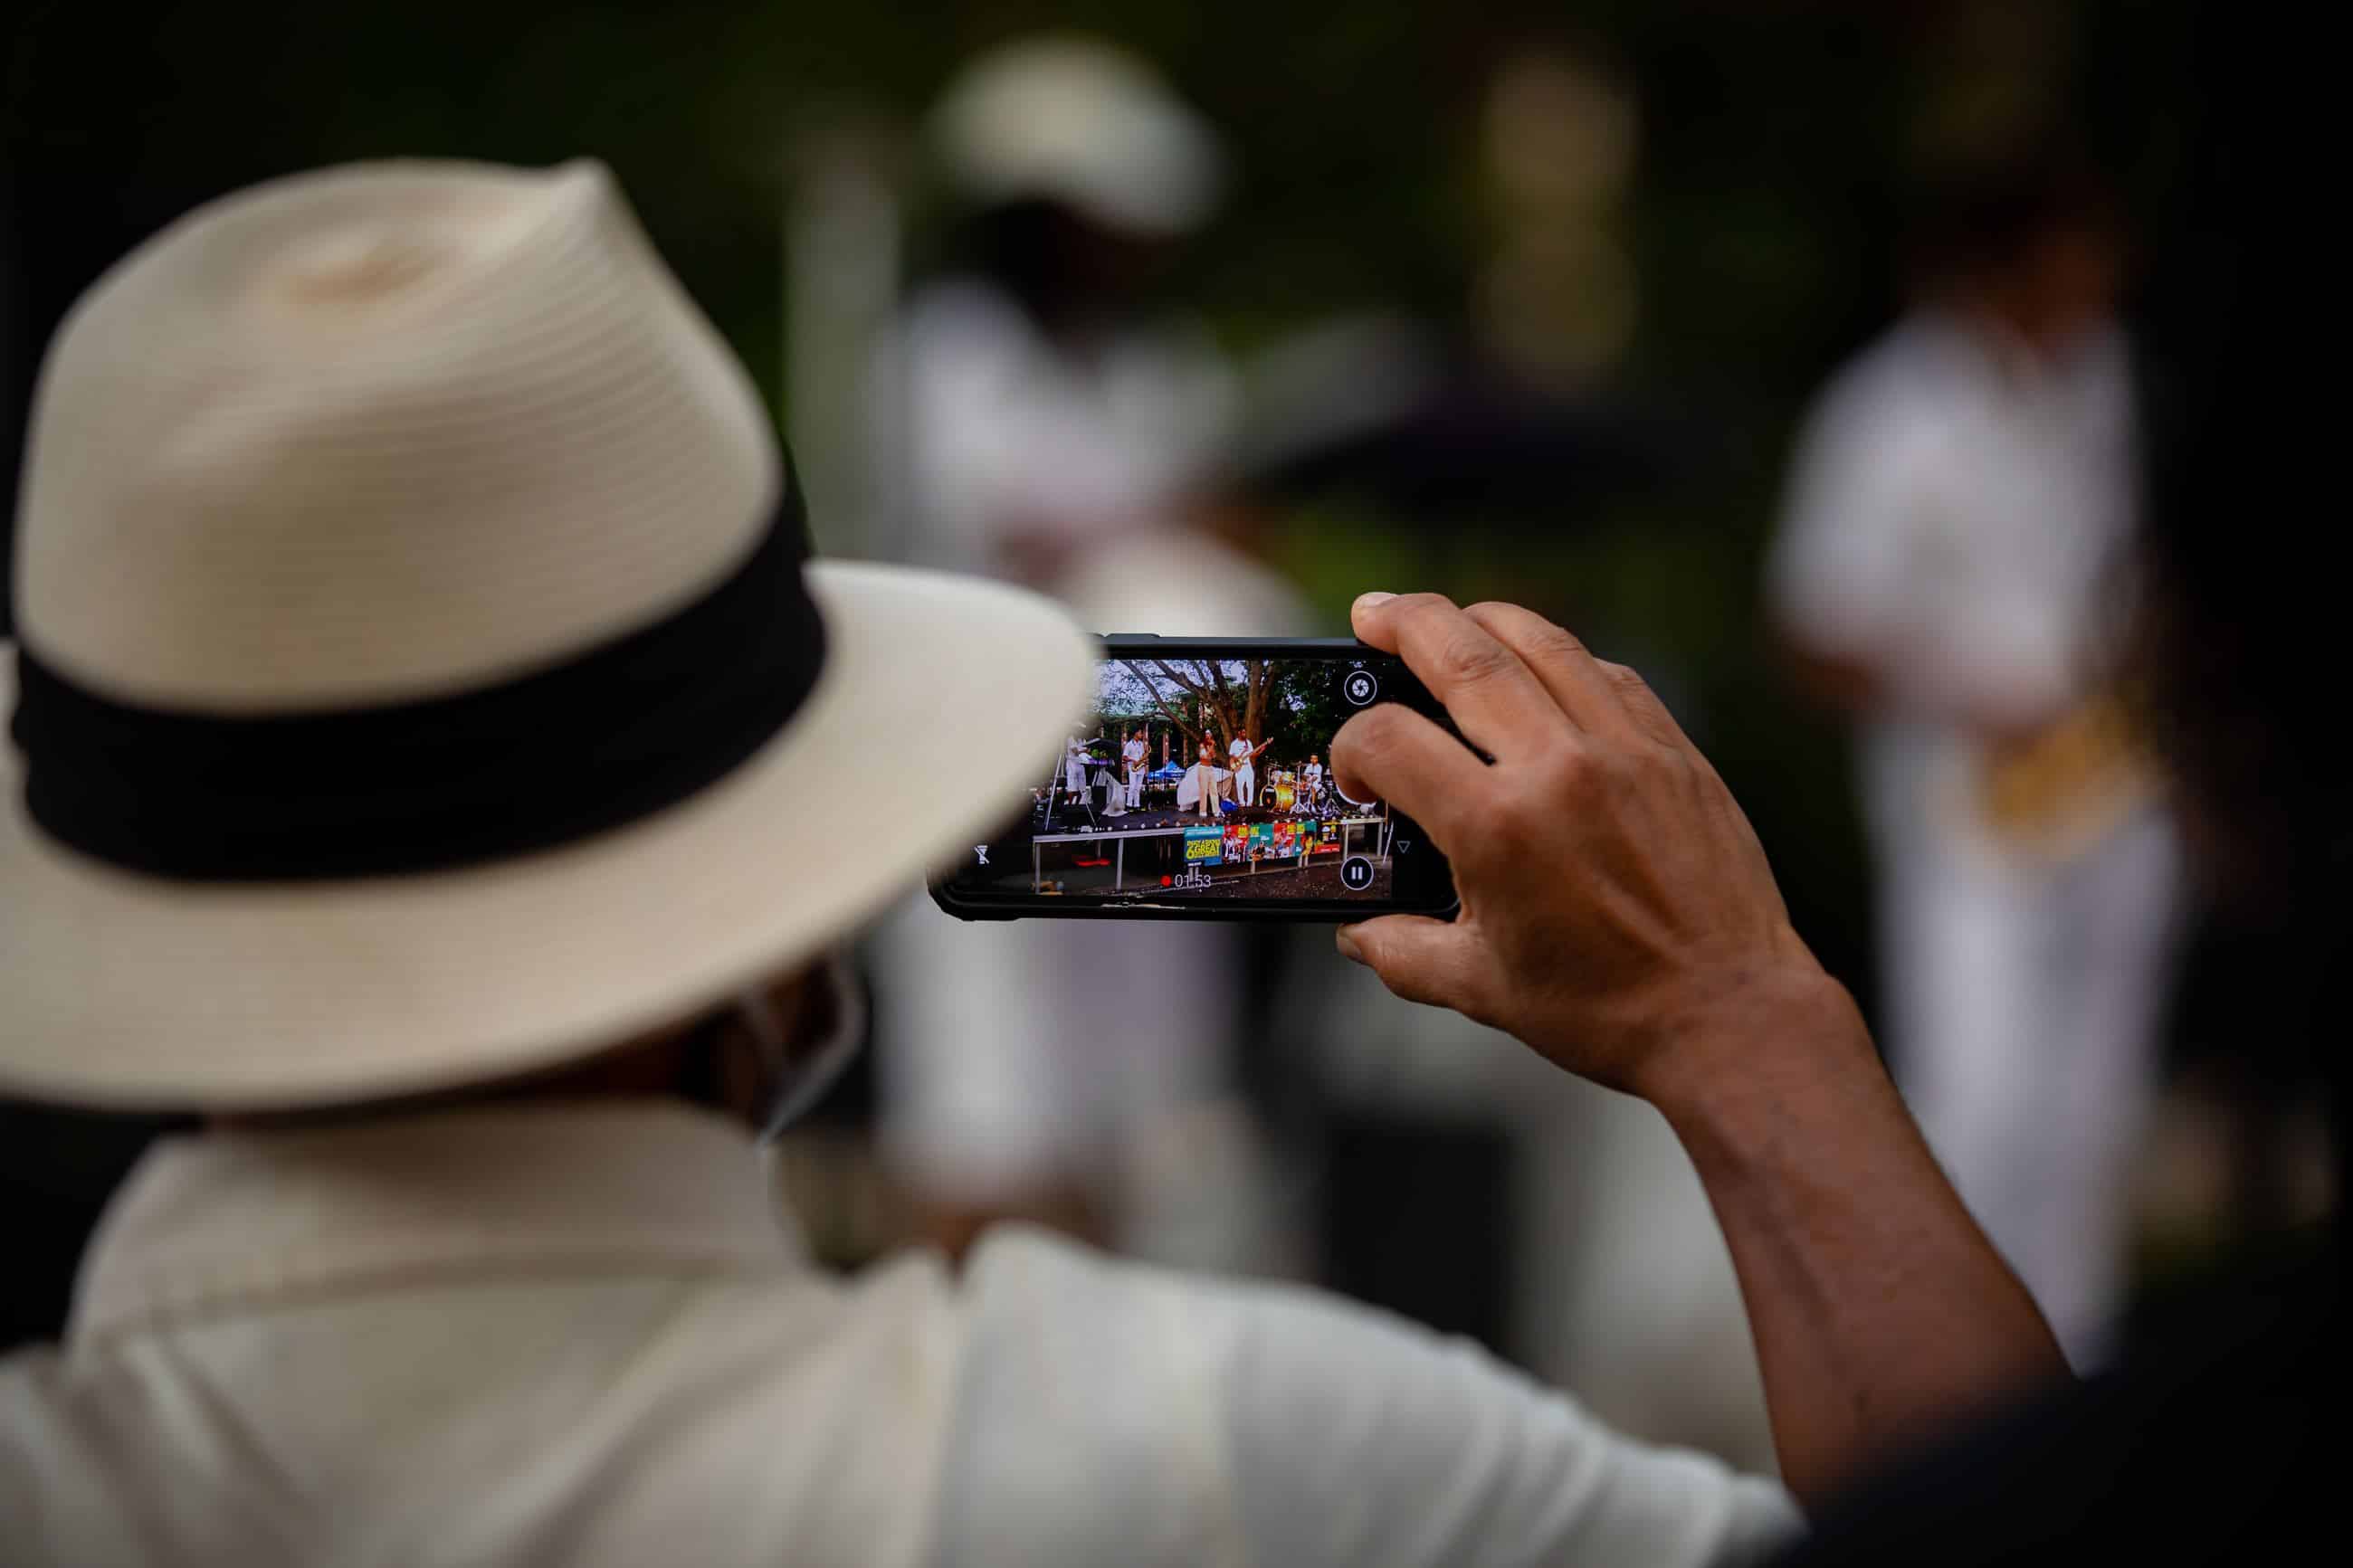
[1035, 419]
[1950, 571]
[2210, 1439]
[1031, 408]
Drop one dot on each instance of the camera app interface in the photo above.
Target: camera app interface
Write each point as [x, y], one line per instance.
[1202, 779]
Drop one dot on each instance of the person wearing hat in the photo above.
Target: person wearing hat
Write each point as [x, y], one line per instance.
[1041, 413]
[426, 732]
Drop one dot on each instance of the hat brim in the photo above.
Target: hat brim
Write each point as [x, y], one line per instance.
[942, 699]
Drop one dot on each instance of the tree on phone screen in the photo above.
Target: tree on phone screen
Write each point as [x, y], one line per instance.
[1290, 704]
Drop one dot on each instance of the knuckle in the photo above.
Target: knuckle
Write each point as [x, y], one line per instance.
[1522, 808]
[1371, 733]
[1566, 768]
[1625, 674]
[1549, 641]
[1467, 658]
[1633, 688]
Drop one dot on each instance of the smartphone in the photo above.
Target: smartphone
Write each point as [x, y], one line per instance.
[1200, 787]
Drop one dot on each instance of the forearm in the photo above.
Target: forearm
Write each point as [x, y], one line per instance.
[1879, 1308]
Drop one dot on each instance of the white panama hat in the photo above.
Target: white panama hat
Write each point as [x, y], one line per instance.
[419, 682]
[1084, 122]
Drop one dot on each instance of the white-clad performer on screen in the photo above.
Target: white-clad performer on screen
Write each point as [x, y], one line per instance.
[1203, 780]
[1245, 776]
[1311, 786]
[1074, 768]
[1134, 753]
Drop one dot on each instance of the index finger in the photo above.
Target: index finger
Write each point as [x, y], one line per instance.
[1493, 699]
[1390, 753]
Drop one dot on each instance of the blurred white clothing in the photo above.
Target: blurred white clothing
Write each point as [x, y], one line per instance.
[2025, 1001]
[1179, 584]
[1202, 783]
[1006, 440]
[580, 1334]
[1958, 517]
[1954, 511]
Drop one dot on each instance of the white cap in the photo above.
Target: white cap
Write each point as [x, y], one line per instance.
[1083, 122]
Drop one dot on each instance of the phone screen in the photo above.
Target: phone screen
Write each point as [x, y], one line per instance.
[1200, 786]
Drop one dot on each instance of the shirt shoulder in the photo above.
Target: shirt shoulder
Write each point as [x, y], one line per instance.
[1901, 387]
[1206, 1420]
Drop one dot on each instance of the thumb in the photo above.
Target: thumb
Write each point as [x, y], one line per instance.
[1422, 960]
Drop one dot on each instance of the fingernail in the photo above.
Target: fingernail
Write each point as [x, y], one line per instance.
[1367, 601]
[1346, 940]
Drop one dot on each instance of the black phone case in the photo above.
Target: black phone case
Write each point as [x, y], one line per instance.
[1317, 912]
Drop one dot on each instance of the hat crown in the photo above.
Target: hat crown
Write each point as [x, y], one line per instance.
[381, 433]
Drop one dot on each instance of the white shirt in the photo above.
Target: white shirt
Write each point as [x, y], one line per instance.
[1239, 751]
[1004, 433]
[1953, 519]
[579, 1335]
[1134, 753]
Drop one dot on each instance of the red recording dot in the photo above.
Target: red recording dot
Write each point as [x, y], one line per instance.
[1167, 881]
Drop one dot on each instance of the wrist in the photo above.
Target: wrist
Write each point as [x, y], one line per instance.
[1782, 1022]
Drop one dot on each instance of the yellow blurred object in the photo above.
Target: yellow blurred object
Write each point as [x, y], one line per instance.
[2064, 788]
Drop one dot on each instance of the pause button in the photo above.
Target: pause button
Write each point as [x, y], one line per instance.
[1356, 873]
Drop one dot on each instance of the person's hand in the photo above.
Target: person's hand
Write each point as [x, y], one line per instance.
[1616, 908]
